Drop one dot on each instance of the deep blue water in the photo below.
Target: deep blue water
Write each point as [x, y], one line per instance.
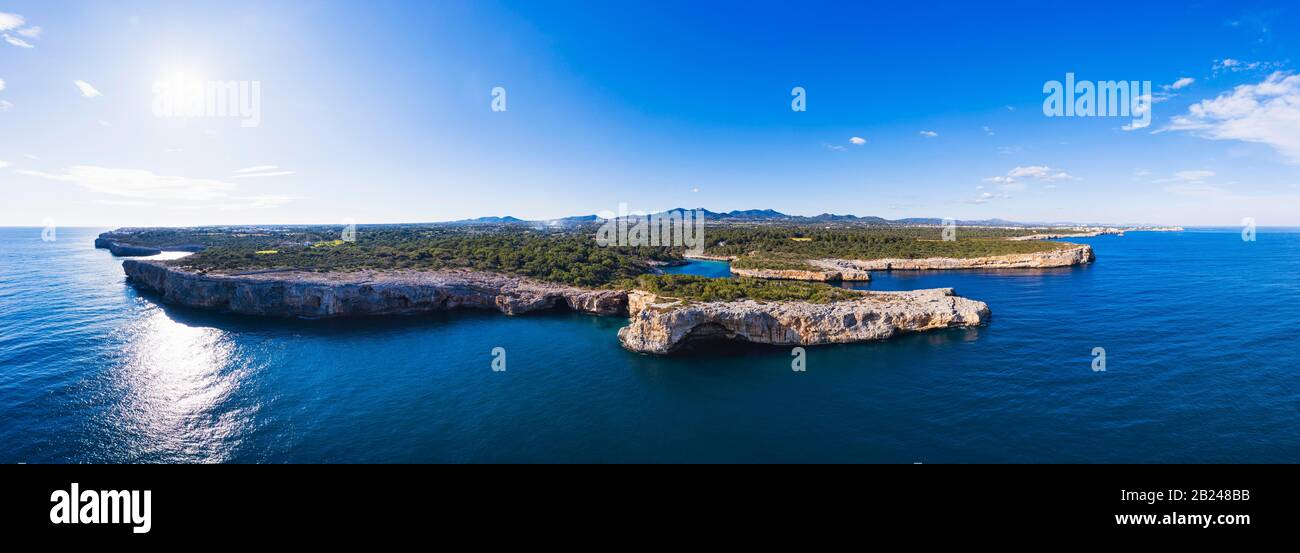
[1200, 331]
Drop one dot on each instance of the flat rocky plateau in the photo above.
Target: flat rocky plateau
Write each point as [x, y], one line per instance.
[656, 325]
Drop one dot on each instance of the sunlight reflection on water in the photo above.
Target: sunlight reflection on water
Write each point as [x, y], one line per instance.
[173, 382]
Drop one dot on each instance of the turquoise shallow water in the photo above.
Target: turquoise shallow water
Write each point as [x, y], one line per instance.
[1200, 332]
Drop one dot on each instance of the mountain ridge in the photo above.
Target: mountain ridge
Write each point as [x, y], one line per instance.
[772, 215]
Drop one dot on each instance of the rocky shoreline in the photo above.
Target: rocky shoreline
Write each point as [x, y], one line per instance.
[832, 270]
[1062, 257]
[663, 325]
[859, 269]
[321, 295]
[122, 249]
[656, 325]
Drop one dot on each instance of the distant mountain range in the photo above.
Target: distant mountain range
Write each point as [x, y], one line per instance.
[760, 216]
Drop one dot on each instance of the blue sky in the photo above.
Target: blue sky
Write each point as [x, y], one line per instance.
[381, 111]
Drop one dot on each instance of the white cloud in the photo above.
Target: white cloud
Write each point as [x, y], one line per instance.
[17, 41]
[256, 169]
[1012, 186]
[1194, 175]
[835, 147]
[1187, 176]
[33, 157]
[104, 123]
[125, 203]
[988, 131]
[1230, 65]
[31, 32]
[268, 174]
[1033, 171]
[857, 140]
[11, 21]
[143, 185]
[1039, 172]
[986, 197]
[136, 183]
[1182, 83]
[1013, 181]
[1195, 189]
[929, 134]
[3, 164]
[2, 84]
[262, 201]
[87, 90]
[1264, 113]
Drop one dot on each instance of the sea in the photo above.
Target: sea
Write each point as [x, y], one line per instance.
[1173, 347]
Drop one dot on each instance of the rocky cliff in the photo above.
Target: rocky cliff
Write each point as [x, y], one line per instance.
[124, 250]
[305, 294]
[831, 270]
[1063, 257]
[787, 274]
[656, 325]
[662, 325]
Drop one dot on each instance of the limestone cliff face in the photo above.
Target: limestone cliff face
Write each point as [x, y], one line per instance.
[1064, 257]
[302, 294]
[859, 269]
[787, 274]
[832, 270]
[659, 325]
[655, 325]
[709, 257]
[124, 250]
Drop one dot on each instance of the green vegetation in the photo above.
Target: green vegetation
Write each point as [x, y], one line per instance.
[569, 255]
[698, 288]
[776, 247]
[566, 257]
[774, 261]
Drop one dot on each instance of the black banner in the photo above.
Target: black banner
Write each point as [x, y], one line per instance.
[1182, 502]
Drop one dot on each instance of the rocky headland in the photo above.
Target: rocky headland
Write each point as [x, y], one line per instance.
[833, 270]
[656, 325]
[820, 270]
[662, 325]
[313, 295]
[123, 249]
[1062, 257]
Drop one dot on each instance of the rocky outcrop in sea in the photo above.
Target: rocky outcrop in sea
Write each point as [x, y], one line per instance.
[1062, 257]
[656, 325]
[820, 270]
[833, 270]
[123, 249]
[662, 325]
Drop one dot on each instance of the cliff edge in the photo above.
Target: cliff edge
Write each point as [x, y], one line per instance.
[662, 325]
[306, 294]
